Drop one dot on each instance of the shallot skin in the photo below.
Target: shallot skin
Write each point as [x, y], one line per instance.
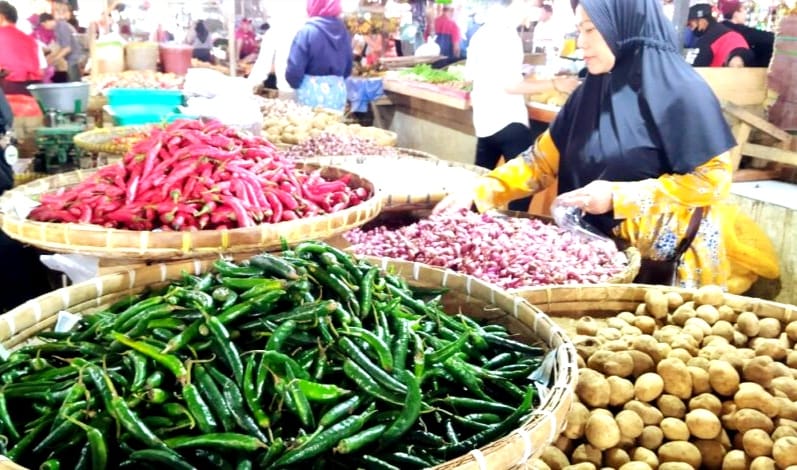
[508, 252]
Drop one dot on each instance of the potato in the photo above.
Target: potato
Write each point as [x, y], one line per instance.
[676, 466]
[536, 464]
[786, 408]
[581, 466]
[748, 418]
[724, 329]
[674, 429]
[735, 460]
[759, 370]
[666, 333]
[739, 339]
[727, 313]
[680, 451]
[615, 458]
[648, 345]
[751, 395]
[640, 310]
[630, 424]
[586, 453]
[783, 431]
[622, 390]
[609, 334]
[791, 330]
[709, 295]
[587, 326]
[636, 466]
[643, 454]
[564, 444]
[762, 463]
[651, 437]
[674, 300]
[723, 378]
[791, 359]
[576, 421]
[602, 431]
[700, 379]
[784, 451]
[770, 347]
[656, 303]
[769, 328]
[620, 364]
[616, 322]
[646, 325]
[748, 324]
[677, 379]
[757, 443]
[706, 401]
[712, 452]
[671, 406]
[630, 330]
[695, 332]
[787, 386]
[650, 414]
[648, 387]
[554, 458]
[627, 317]
[682, 315]
[642, 363]
[680, 351]
[701, 363]
[708, 313]
[592, 388]
[703, 424]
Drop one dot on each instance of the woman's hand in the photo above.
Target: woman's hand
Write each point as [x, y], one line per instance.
[566, 83]
[594, 198]
[455, 201]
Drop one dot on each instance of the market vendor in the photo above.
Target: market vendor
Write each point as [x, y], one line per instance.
[20, 55]
[321, 57]
[639, 147]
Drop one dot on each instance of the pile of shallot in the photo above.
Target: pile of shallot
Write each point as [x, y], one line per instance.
[508, 252]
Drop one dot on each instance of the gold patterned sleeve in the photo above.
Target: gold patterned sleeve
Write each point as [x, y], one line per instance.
[709, 183]
[528, 173]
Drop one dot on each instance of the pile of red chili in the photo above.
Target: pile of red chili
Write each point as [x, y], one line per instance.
[194, 175]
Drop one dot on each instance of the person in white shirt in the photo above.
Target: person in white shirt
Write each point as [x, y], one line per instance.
[546, 34]
[286, 19]
[494, 66]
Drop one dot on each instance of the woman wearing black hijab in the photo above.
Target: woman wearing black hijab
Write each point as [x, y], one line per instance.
[638, 147]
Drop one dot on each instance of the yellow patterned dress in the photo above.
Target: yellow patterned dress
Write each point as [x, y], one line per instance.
[655, 213]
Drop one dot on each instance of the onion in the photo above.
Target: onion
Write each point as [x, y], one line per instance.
[508, 252]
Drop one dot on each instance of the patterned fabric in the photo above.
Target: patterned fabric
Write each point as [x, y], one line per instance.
[328, 91]
[655, 213]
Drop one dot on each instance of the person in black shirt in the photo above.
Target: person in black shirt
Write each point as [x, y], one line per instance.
[760, 42]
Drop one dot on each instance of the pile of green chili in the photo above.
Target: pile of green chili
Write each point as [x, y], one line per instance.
[311, 358]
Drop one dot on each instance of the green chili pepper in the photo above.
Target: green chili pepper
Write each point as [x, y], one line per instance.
[513, 345]
[360, 440]
[320, 392]
[235, 401]
[166, 459]
[198, 408]
[250, 394]
[132, 312]
[375, 463]
[5, 419]
[366, 383]
[220, 441]
[229, 269]
[378, 346]
[97, 446]
[274, 265]
[172, 363]
[341, 289]
[280, 335]
[367, 291]
[410, 413]
[307, 312]
[356, 354]
[225, 347]
[213, 397]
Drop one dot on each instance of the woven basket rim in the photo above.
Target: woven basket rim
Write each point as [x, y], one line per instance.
[101, 138]
[517, 447]
[150, 245]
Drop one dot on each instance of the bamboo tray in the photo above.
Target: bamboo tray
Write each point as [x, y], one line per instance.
[466, 294]
[151, 245]
[443, 176]
[104, 139]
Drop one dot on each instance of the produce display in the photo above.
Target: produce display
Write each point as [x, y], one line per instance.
[288, 122]
[135, 79]
[551, 97]
[454, 77]
[508, 252]
[312, 358]
[682, 385]
[192, 175]
[327, 143]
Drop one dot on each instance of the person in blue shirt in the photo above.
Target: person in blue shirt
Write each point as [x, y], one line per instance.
[321, 57]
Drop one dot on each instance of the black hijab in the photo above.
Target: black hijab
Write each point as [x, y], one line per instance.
[651, 115]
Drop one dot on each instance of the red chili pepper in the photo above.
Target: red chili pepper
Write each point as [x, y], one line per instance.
[224, 214]
[289, 215]
[276, 207]
[241, 216]
[287, 199]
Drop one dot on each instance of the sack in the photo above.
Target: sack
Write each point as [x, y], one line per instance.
[657, 272]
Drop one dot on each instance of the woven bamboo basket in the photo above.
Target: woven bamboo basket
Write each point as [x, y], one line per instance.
[408, 181]
[466, 294]
[149, 245]
[108, 139]
[627, 275]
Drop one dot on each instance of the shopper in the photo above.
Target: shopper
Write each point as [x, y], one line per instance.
[447, 36]
[20, 56]
[760, 42]
[199, 38]
[321, 58]
[44, 33]
[246, 41]
[717, 45]
[275, 46]
[547, 36]
[638, 147]
[69, 46]
[494, 65]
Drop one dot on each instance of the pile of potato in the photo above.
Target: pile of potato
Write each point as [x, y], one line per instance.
[288, 122]
[682, 385]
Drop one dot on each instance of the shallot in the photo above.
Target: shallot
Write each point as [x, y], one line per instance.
[508, 252]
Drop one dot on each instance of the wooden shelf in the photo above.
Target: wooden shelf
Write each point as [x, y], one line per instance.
[454, 98]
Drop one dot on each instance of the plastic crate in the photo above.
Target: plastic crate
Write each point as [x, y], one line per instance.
[137, 114]
[144, 96]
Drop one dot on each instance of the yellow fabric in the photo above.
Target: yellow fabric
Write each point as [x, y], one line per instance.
[748, 246]
[740, 279]
[655, 212]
